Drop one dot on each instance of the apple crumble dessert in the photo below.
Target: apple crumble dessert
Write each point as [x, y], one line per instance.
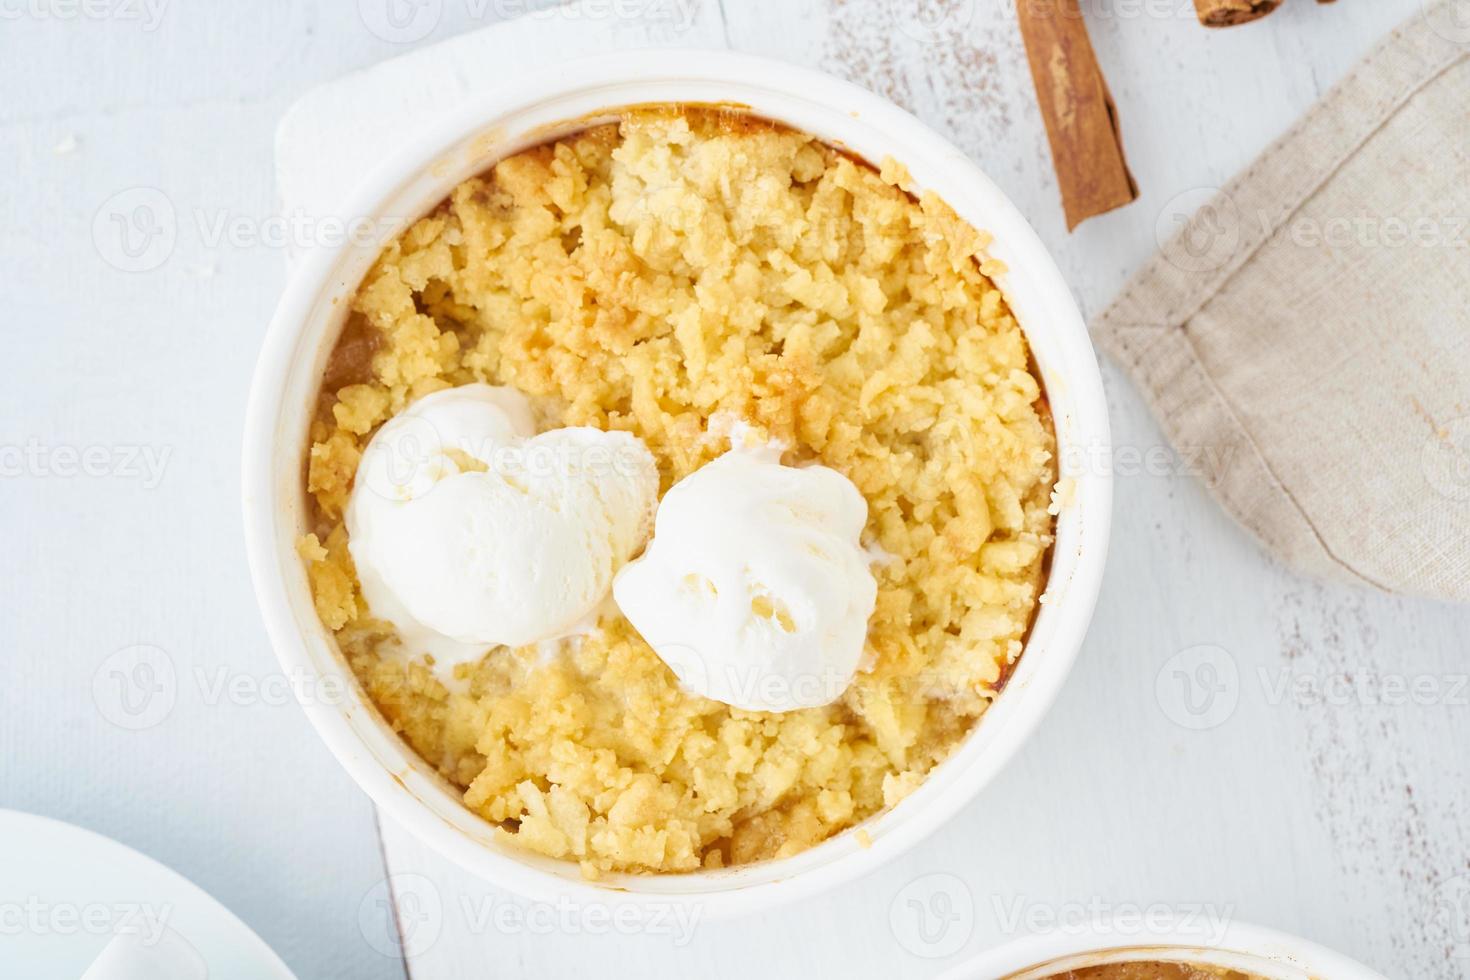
[1152, 970]
[685, 291]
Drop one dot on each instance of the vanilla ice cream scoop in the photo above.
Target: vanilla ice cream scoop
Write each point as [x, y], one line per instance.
[756, 590]
[470, 532]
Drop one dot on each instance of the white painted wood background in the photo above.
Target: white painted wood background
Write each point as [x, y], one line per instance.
[1343, 820]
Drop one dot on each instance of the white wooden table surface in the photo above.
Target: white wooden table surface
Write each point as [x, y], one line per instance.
[1309, 795]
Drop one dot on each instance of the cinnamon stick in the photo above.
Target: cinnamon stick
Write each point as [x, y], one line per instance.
[1081, 119]
[1227, 13]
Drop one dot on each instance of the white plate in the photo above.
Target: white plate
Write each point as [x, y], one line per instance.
[65, 890]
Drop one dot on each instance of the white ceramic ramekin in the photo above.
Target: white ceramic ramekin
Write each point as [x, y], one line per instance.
[1237, 946]
[556, 100]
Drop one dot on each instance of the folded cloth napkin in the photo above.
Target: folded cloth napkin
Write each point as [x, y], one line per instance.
[132, 956]
[1310, 325]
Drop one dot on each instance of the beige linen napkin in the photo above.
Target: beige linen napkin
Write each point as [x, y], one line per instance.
[1310, 324]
